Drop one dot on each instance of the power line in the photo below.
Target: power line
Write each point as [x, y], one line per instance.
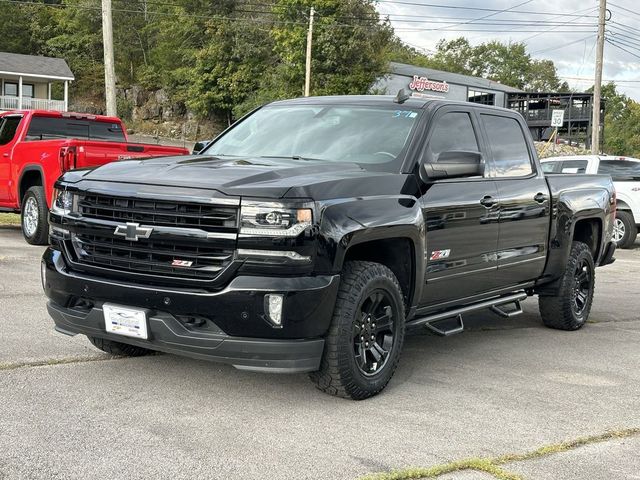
[490, 14]
[623, 8]
[491, 30]
[562, 46]
[621, 48]
[478, 9]
[626, 43]
[590, 80]
[588, 10]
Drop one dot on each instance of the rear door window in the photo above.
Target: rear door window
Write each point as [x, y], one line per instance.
[8, 129]
[574, 166]
[620, 169]
[508, 145]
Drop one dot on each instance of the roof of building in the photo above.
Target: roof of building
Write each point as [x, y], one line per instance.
[33, 66]
[477, 82]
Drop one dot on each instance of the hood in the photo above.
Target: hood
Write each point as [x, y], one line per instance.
[259, 177]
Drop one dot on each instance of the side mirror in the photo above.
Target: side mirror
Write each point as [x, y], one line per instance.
[452, 164]
[199, 146]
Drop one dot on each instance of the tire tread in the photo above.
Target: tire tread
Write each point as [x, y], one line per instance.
[556, 311]
[334, 376]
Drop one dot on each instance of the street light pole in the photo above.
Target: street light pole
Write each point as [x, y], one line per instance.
[109, 63]
[597, 86]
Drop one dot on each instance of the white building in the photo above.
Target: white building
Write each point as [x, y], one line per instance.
[26, 82]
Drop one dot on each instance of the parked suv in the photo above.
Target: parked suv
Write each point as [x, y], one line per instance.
[313, 233]
[625, 172]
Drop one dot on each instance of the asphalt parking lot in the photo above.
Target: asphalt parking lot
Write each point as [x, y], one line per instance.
[491, 397]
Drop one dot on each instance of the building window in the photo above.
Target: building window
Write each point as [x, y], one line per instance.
[485, 98]
[11, 89]
[27, 90]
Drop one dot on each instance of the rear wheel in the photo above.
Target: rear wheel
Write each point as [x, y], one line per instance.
[569, 310]
[117, 348]
[366, 335]
[34, 212]
[624, 229]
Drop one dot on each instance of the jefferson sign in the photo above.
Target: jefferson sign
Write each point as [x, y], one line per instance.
[420, 84]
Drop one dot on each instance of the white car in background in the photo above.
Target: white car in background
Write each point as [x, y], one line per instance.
[625, 173]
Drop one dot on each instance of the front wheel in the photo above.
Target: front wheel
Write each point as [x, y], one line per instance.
[35, 225]
[365, 338]
[569, 309]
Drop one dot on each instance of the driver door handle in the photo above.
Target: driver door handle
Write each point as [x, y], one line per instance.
[488, 201]
[540, 197]
[5, 154]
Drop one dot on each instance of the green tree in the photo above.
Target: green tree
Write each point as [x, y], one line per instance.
[349, 48]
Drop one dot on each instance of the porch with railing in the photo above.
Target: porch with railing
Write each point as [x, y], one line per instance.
[13, 103]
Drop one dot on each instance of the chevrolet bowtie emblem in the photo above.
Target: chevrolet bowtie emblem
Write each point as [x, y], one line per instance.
[133, 231]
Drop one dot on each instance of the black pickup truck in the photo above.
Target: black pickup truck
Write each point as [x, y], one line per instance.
[313, 233]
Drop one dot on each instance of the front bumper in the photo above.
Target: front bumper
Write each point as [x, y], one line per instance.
[231, 325]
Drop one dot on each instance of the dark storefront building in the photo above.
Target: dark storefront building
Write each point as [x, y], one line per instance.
[536, 108]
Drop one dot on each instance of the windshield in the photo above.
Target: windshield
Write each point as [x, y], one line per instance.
[620, 169]
[365, 135]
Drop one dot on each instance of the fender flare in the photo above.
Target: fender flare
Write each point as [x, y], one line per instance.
[351, 222]
[572, 207]
[28, 168]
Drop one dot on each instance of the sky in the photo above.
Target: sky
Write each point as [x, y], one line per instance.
[562, 31]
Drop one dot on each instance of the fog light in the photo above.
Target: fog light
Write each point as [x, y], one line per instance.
[273, 307]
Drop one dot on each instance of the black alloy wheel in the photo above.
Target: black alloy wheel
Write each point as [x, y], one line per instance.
[373, 338]
[583, 286]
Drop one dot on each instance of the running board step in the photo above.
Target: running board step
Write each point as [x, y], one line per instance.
[449, 331]
[495, 304]
[499, 310]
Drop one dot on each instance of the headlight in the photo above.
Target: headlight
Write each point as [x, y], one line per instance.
[62, 202]
[273, 219]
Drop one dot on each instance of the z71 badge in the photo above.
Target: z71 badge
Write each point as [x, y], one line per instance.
[181, 263]
[440, 254]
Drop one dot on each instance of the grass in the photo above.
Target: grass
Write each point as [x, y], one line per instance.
[11, 219]
[493, 465]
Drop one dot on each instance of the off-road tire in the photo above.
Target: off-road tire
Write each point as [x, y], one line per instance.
[630, 229]
[117, 348]
[339, 374]
[39, 235]
[560, 311]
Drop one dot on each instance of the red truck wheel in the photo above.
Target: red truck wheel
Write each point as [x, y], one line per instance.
[35, 226]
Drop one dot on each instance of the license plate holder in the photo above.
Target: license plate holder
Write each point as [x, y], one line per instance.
[125, 321]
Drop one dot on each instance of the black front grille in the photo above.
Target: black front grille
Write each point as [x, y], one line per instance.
[160, 213]
[151, 257]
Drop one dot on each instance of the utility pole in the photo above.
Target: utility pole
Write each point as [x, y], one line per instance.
[595, 119]
[307, 78]
[109, 64]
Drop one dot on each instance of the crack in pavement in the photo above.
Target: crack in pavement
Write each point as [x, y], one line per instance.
[6, 366]
[492, 465]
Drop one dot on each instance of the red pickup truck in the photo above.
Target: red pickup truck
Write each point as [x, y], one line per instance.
[36, 147]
